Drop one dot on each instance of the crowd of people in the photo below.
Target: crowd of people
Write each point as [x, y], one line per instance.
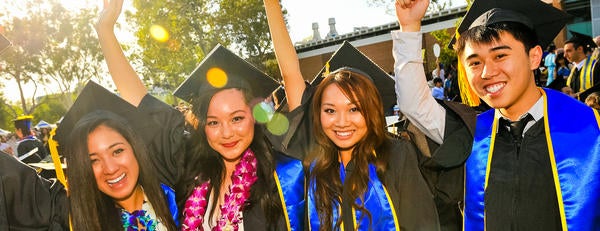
[527, 162]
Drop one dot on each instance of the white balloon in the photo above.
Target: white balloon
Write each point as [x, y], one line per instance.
[436, 50]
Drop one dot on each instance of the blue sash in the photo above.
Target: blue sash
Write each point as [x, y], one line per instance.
[171, 202]
[376, 201]
[289, 177]
[574, 150]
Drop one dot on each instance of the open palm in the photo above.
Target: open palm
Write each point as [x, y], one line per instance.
[110, 13]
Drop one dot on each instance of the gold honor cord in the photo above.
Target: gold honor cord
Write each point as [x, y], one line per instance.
[60, 174]
[559, 196]
[57, 164]
[285, 212]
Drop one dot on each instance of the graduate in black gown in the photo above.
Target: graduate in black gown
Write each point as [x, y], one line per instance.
[28, 201]
[228, 138]
[585, 74]
[117, 162]
[230, 177]
[29, 148]
[542, 174]
[360, 178]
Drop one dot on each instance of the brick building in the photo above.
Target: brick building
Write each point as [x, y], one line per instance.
[376, 42]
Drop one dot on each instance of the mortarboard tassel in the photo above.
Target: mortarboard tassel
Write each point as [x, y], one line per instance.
[326, 73]
[60, 175]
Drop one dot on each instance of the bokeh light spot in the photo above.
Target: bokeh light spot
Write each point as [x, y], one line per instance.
[159, 33]
[216, 77]
[279, 124]
[262, 112]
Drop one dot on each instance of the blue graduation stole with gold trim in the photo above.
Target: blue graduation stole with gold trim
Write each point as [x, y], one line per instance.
[170, 198]
[574, 150]
[376, 201]
[289, 177]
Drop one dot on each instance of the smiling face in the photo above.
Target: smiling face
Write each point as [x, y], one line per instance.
[229, 125]
[341, 119]
[501, 73]
[113, 162]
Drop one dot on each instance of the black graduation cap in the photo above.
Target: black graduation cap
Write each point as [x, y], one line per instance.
[543, 18]
[23, 121]
[222, 68]
[93, 98]
[583, 39]
[348, 56]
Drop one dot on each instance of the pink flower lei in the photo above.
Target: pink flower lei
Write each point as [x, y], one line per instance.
[242, 179]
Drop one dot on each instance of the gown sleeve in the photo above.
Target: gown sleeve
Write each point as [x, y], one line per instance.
[299, 139]
[163, 131]
[413, 96]
[28, 201]
[412, 198]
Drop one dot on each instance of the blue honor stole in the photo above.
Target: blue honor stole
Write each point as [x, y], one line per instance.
[574, 150]
[171, 202]
[289, 177]
[376, 200]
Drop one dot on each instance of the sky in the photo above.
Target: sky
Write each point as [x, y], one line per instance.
[301, 14]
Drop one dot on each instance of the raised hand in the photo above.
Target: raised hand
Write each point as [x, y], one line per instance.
[410, 13]
[109, 14]
[126, 80]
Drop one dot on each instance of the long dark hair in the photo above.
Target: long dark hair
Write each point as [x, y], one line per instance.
[90, 208]
[204, 163]
[325, 158]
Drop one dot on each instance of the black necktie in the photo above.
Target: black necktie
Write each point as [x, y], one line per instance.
[516, 128]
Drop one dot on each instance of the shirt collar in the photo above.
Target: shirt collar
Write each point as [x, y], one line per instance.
[536, 111]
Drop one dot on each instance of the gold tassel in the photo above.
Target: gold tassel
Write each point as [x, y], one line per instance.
[60, 175]
[326, 72]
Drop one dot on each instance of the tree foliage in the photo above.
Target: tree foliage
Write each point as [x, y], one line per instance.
[447, 55]
[195, 27]
[52, 46]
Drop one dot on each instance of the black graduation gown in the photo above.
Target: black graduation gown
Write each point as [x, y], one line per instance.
[28, 201]
[595, 82]
[162, 129]
[444, 170]
[520, 193]
[407, 189]
[256, 219]
[28, 144]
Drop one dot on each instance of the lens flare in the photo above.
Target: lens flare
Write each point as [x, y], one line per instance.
[159, 33]
[262, 112]
[279, 124]
[216, 77]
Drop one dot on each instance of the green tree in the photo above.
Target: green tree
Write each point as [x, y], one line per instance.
[52, 46]
[195, 27]
[52, 110]
[72, 55]
[6, 114]
[447, 55]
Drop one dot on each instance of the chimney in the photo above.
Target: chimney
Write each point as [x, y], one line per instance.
[332, 32]
[316, 35]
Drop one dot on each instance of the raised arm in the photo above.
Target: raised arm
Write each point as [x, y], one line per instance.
[285, 53]
[125, 78]
[413, 94]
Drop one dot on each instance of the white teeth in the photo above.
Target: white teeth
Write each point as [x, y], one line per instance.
[117, 179]
[344, 133]
[494, 88]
